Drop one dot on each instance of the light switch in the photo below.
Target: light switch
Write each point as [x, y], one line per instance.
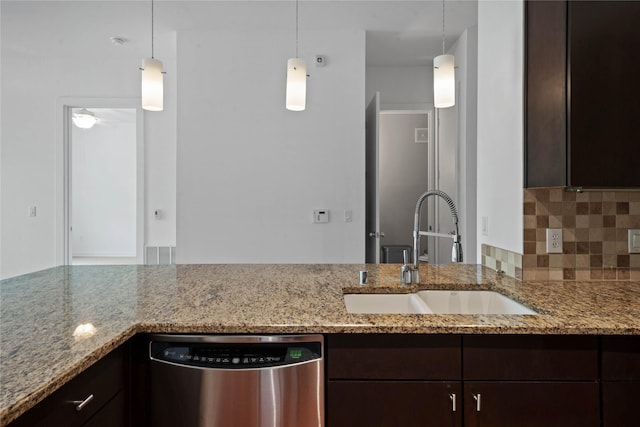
[634, 241]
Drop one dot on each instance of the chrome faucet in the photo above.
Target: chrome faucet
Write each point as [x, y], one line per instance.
[456, 250]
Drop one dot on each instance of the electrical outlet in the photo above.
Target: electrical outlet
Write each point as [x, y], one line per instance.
[634, 241]
[554, 240]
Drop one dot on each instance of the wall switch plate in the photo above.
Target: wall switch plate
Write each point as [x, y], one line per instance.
[320, 215]
[485, 226]
[33, 211]
[554, 240]
[634, 241]
[348, 216]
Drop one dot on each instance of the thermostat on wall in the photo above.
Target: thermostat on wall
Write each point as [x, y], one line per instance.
[321, 215]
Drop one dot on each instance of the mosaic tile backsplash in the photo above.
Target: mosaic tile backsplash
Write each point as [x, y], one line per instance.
[510, 263]
[595, 228]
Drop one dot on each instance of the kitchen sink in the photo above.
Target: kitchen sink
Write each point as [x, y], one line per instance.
[435, 302]
[385, 304]
[471, 302]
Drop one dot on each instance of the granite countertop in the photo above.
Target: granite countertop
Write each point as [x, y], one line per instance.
[39, 312]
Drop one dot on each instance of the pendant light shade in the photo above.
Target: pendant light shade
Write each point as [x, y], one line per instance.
[152, 79]
[444, 81]
[84, 119]
[296, 84]
[296, 92]
[444, 77]
[152, 84]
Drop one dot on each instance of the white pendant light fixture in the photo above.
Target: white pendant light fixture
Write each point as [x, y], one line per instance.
[296, 97]
[84, 119]
[152, 79]
[444, 80]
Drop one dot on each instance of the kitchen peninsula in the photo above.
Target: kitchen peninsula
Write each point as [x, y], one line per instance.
[42, 347]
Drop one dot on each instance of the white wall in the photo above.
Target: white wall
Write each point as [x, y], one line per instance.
[500, 123]
[250, 173]
[466, 57]
[104, 188]
[31, 148]
[401, 87]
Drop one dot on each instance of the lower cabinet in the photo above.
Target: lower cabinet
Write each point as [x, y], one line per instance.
[620, 381]
[97, 397]
[531, 404]
[394, 403]
[483, 380]
[380, 380]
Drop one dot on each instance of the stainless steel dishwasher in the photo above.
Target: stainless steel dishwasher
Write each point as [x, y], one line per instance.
[236, 381]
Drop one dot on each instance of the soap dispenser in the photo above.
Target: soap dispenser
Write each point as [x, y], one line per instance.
[405, 270]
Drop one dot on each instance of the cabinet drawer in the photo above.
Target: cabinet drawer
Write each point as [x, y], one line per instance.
[393, 403]
[393, 356]
[531, 404]
[527, 357]
[103, 380]
[621, 358]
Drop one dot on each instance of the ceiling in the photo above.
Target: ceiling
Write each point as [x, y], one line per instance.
[398, 32]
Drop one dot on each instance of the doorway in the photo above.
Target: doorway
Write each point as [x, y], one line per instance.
[400, 167]
[104, 185]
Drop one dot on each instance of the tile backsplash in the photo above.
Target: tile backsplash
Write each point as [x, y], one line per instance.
[507, 262]
[595, 228]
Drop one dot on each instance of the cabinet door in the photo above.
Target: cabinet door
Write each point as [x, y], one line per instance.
[531, 404]
[102, 381]
[112, 414]
[546, 103]
[620, 403]
[604, 90]
[393, 404]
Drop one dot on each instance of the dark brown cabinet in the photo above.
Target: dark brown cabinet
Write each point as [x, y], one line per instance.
[531, 404]
[530, 381]
[620, 381]
[471, 380]
[380, 380]
[104, 390]
[582, 94]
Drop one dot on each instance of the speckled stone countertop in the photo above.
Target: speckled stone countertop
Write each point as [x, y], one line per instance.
[39, 312]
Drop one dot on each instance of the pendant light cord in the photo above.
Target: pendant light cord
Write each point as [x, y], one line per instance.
[443, 27]
[296, 28]
[151, 29]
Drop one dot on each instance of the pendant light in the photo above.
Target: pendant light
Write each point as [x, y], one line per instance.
[152, 79]
[84, 119]
[444, 81]
[296, 96]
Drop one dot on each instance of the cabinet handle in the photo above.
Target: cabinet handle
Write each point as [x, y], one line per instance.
[477, 398]
[80, 404]
[452, 396]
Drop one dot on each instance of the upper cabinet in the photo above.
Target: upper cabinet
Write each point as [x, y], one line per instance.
[582, 108]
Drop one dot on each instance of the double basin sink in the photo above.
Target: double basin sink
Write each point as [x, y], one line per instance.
[435, 302]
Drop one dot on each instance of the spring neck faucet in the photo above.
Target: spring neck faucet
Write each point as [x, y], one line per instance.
[456, 251]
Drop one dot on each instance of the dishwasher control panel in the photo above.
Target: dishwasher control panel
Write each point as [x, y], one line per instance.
[234, 356]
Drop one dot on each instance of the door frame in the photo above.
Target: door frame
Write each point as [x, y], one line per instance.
[432, 161]
[63, 171]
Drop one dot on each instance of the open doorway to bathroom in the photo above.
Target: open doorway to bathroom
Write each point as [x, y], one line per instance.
[103, 191]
